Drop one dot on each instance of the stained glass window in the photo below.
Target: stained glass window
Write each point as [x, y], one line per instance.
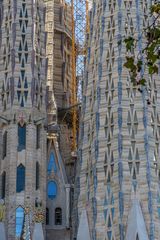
[52, 189]
[19, 221]
[20, 178]
[52, 163]
[21, 137]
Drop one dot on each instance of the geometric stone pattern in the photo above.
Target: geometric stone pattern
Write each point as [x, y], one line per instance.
[119, 129]
[35, 53]
[22, 102]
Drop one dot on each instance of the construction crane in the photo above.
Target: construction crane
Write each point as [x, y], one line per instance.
[80, 26]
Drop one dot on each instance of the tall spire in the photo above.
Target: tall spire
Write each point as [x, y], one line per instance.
[119, 130]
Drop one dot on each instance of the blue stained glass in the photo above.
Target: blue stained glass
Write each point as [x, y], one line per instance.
[52, 163]
[21, 137]
[20, 178]
[52, 190]
[19, 221]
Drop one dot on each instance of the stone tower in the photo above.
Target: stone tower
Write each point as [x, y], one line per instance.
[118, 184]
[22, 114]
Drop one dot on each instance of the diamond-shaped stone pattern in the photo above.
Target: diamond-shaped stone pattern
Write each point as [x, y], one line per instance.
[155, 124]
[123, 166]
[22, 85]
[39, 57]
[5, 93]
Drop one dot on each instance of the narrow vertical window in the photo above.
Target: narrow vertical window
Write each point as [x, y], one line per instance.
[19, 221]
[3, 184]
[4, 144]
[38, 129]
[52, 190]
[58, 216]
[52, 164]
[21, 137]
[47, 216]
[37, 175]
[20, 178]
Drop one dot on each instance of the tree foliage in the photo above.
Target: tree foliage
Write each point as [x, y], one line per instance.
[148, 58]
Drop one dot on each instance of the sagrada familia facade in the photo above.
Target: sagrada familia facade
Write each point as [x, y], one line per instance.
[110, 189]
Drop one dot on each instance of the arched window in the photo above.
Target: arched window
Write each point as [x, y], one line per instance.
[58, 216]
[20, 178]
[37, 175]
[21, 137]
[3, 184]
[19, 221]
[47, 216]
[52, 163]
[52, 189]
[4, 144]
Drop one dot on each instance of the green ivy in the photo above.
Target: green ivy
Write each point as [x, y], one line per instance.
[150, 54]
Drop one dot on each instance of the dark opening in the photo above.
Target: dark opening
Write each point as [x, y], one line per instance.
[58, 216]
[4, 144]
[37, 175]
[47, 216]
[3, 184]
[38, 131]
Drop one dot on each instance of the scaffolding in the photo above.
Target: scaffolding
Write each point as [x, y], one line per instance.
[80, 26]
